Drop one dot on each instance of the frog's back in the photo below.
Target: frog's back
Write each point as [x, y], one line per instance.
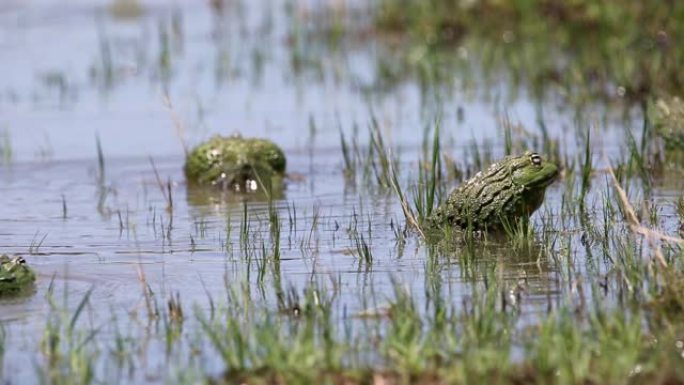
[506, 191]
[234, 161]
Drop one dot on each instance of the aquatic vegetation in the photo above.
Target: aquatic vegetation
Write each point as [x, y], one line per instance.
[68, 356]
[614, 49]
[401, 344]
[236, 163]
[668, 119]
[340, 281]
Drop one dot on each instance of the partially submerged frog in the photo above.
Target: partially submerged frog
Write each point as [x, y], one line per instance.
[236, 163]
[16, 276]
[669, 122]
[508, 191]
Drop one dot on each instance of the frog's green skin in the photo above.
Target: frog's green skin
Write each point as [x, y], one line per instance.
[236, 163]
[15, 276]
[509, 190]
[668, 119]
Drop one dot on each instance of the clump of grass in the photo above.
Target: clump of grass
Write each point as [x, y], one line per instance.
[349, 159]
[666, 306]
[293, 349]
[437, 341]
[520, 234]
[638, 162]
[384, 165]
[36, 244]
[608, 349]
[362, 250]
[381, 168]
[68, 351]
[427, 193]
[621, 44]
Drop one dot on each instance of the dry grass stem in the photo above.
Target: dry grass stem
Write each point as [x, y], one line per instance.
[410, 217]
[177, 123]
[637, 228]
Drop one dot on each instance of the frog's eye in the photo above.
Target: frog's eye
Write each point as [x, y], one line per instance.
[535, 159]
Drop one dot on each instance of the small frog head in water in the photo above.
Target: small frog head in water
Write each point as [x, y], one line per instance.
[236, 163]
[15, 276]
[510, 189]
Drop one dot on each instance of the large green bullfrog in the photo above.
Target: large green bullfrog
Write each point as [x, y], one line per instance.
[509, 190]
[16, 276]
[236, 163]
[669, 122]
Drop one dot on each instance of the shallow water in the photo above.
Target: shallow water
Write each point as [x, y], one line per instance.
[74, 73]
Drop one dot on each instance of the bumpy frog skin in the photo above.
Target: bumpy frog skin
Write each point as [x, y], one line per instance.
[669, 122]
[15, 276]
[236, 163]
[509, 190]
